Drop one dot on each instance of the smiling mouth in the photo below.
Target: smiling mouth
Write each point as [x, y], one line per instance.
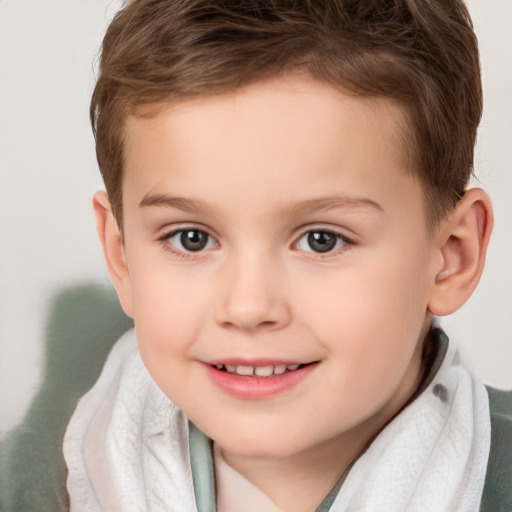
[262, 381]
[259, 371]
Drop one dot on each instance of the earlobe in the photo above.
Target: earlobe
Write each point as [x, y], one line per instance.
[113, 249]
[463, 240]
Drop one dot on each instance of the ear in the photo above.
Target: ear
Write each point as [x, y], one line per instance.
[113, 249]
[462, 239]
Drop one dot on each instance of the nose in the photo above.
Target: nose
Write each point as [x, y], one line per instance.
[253, 296]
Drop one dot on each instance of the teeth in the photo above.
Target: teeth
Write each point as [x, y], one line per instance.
[264, 371]
[279, 369]
[244, 370]
[260, 371]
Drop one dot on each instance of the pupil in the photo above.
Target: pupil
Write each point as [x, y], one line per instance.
[321, 241]
[194, 240]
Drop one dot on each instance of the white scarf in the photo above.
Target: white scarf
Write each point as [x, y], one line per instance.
[127, 447]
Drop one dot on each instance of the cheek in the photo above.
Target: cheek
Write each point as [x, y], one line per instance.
[167, 306]
[366, 296]
[369, 317]
[166, 326]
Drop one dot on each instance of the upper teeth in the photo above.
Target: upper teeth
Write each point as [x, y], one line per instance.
[260, 371]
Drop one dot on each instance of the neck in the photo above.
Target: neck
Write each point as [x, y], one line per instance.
[298, 483]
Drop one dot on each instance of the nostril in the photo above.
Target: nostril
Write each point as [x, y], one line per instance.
[267, 323]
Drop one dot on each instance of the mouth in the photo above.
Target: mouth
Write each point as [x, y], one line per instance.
[259, 381]
[259, 371]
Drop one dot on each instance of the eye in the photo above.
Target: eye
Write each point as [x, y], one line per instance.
[321, 241]
[190, 240]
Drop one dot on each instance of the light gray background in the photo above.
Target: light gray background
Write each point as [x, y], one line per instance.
[48, 174]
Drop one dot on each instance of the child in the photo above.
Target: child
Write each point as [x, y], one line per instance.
[286, 213]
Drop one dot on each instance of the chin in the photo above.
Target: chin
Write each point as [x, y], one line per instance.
[256, 452]
[259, 446]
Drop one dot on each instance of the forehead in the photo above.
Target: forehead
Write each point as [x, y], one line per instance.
[296, 130]
[272, 104]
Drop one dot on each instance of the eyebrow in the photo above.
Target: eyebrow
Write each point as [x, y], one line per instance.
[180, 203]
[331, 203]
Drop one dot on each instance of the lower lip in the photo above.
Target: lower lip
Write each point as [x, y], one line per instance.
[258, 388]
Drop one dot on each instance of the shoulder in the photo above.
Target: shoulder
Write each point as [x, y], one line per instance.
[497, 495]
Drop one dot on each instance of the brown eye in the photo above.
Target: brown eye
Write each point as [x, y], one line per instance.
[190, 240]
[194, 240]
[321, 241]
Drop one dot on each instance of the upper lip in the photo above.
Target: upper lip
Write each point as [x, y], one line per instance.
[235, 361]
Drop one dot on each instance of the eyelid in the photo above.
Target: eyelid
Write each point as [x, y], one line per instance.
[171, 230]
[344, 233]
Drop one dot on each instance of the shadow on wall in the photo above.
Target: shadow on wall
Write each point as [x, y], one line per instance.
[83, 324]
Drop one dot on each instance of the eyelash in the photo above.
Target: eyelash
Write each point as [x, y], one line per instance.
[165, 240]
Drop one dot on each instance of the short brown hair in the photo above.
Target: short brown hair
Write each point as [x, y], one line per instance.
[421, 53]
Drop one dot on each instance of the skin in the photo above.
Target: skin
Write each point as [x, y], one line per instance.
[257, 170]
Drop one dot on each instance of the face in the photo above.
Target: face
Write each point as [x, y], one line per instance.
[278, 263]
